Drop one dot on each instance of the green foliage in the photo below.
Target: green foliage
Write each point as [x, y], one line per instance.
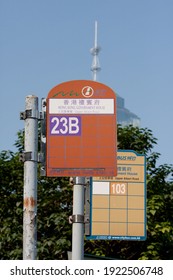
[134, 138]
[54, 208]
[159, 243]
[55, 205]
[11, 185]
[19, 143]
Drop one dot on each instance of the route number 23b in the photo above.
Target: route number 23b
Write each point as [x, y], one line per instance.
[65, 125]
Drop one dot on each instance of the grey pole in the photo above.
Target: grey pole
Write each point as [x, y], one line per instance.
[78, 219]
[30, 157]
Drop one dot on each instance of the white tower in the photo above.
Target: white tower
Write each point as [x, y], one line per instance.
[95, 51]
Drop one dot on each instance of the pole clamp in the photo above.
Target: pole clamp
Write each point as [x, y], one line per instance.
[28, 156]
[78, 181]
[76, 219]
[29, 114]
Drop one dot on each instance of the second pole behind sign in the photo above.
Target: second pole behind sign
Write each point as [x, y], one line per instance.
[78, 219]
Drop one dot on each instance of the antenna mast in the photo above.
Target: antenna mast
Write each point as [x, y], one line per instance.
[95, 51]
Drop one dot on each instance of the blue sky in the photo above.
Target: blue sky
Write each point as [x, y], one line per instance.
[46, 42]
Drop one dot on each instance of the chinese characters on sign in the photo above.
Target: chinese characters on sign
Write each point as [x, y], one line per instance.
[81, 106]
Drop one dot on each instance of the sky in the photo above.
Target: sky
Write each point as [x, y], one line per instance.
[46, 42]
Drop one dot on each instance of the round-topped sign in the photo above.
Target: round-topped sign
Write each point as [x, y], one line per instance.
[81, 130]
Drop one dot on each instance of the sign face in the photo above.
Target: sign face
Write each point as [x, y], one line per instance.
[81, 130]
[118, 204]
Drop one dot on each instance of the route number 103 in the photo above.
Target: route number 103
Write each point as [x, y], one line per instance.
[118, 188]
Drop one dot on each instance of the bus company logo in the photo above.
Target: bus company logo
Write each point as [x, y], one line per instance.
[87, 91]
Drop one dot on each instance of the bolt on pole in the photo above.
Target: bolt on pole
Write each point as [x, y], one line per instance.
[30, 157]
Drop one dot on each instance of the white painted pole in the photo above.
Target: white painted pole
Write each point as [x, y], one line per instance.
[78, 219]
[95, 39]
[30, 178]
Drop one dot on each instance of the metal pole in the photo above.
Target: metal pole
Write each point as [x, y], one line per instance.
[78, 219]
[30, 158]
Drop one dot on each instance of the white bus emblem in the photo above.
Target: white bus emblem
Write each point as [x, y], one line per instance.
[87, 91]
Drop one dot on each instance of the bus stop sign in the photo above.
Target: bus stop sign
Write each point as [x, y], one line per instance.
[81, 130]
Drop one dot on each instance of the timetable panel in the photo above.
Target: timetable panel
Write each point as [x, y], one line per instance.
[118, 205]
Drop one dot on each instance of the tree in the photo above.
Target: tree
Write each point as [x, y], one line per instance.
[11, 186]
[159, 243]
[55, 206]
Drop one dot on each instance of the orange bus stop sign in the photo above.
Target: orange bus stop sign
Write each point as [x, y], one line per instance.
[81, 130]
